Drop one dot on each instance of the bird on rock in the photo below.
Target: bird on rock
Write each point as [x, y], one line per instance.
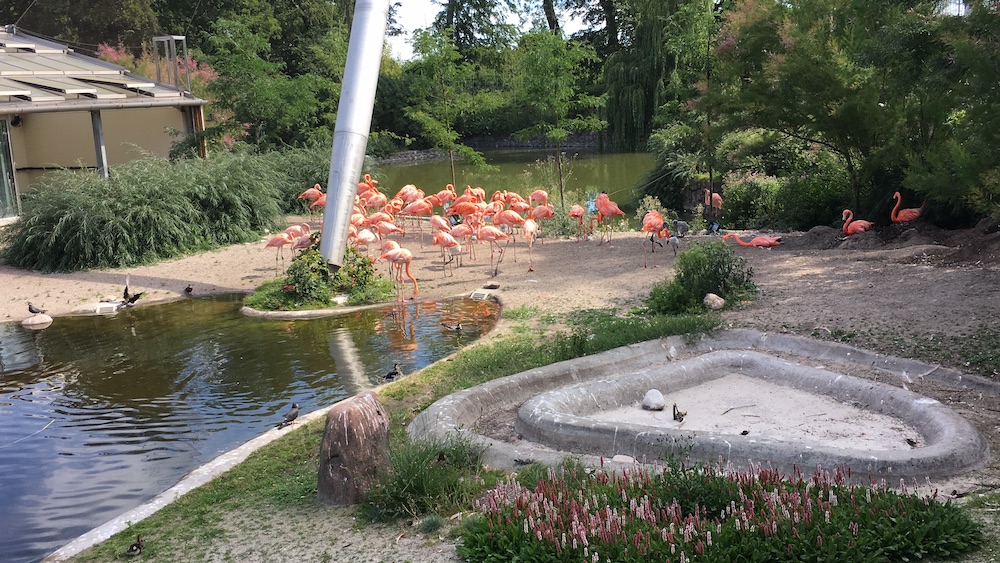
[454, 327]
[290, 416]
[393, 374]
[135, 548]
[188, 290]
[34, 310]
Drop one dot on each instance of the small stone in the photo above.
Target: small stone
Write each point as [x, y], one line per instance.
[714, 302]
[621, 458]
[653, 401]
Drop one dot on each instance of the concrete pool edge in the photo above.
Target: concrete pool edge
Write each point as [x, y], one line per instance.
[458, 413]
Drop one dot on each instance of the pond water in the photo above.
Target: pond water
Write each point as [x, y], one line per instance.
[101, 413]
[584, 175]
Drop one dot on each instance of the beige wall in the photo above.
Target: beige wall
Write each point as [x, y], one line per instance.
[66, 139]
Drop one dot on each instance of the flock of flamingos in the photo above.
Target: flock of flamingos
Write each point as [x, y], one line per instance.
[467, 219]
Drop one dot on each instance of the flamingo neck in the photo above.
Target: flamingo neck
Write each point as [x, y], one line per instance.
[894, 214]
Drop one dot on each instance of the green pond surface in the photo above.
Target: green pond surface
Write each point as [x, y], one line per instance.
[584, 175]
[101, 413]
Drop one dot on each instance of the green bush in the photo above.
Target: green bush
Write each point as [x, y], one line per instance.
[703, 268]
[751, 200]
[308, 284]
[814, 195]
[148, 210]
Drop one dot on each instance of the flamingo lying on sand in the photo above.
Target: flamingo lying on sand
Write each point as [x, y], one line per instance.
[905, 215]
[852, 227]
[761, 241]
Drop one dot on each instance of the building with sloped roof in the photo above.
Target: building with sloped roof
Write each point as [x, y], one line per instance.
[61, 109]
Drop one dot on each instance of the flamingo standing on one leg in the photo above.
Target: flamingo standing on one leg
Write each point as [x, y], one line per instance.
[905, 215]
[713, 200]
[759, 241]
[852, 227]
[530, 230]
[509, 220]
[577, 212]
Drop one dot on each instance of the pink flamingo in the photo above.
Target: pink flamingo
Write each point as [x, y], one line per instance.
[279, 241]
[852, 227]
[652, 223]
[539, 197]
[493, 235]
[577, 212]
[399, 259]
[465, 232]
[530, 231]
[606, 209]
[509, 220]
[713, 200]
[449, 248]
[759, 241]
[905, 215]
[418, 208]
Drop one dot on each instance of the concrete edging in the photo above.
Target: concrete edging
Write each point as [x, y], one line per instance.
[954, 446]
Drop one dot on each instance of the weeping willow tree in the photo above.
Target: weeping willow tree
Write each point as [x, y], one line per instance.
[636, 75]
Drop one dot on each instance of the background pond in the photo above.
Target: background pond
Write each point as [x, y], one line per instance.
[100, 414]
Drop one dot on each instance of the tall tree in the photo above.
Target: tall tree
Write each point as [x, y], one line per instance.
[130, 23]
[817, 70]
[548, 70]
[441, 80]
[478, 28]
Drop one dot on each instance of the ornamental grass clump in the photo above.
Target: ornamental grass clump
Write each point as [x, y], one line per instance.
[148, 210]
[705, 514]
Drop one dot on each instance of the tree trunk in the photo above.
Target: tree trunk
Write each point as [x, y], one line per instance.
[562, 201]
[611, 23]
[550, 14]
[451, 156]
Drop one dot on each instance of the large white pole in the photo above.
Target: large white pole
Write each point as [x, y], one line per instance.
[354, 120]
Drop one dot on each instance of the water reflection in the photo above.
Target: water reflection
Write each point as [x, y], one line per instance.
[102, 413]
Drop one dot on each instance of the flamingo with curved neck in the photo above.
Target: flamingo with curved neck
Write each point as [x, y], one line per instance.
[852, 227]
[905, 215]
[759, 241]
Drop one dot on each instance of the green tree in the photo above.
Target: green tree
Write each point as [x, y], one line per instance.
[131, 23]
[478, 28]
[275, 110]
[548, 68]
[829, 72]
[441, 81]
[960, 160]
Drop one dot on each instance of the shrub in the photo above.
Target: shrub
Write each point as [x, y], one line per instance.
[150, 209]
[423, 477]
[308, 284]
[704, 268]
[705, 514]
[751, 200]
[814, 195]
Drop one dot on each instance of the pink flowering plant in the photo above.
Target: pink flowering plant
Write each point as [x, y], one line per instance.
[702, 513]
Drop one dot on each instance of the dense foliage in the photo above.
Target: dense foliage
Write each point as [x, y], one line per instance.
[892, 96]
[148, 210]
[705, 514]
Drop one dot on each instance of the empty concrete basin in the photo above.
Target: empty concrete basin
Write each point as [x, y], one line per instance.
[792, 416]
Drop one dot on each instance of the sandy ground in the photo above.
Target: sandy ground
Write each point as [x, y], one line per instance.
[910, 284]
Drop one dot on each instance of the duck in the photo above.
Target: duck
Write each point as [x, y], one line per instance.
[454, 327]
[394, 373]
[135, 548]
